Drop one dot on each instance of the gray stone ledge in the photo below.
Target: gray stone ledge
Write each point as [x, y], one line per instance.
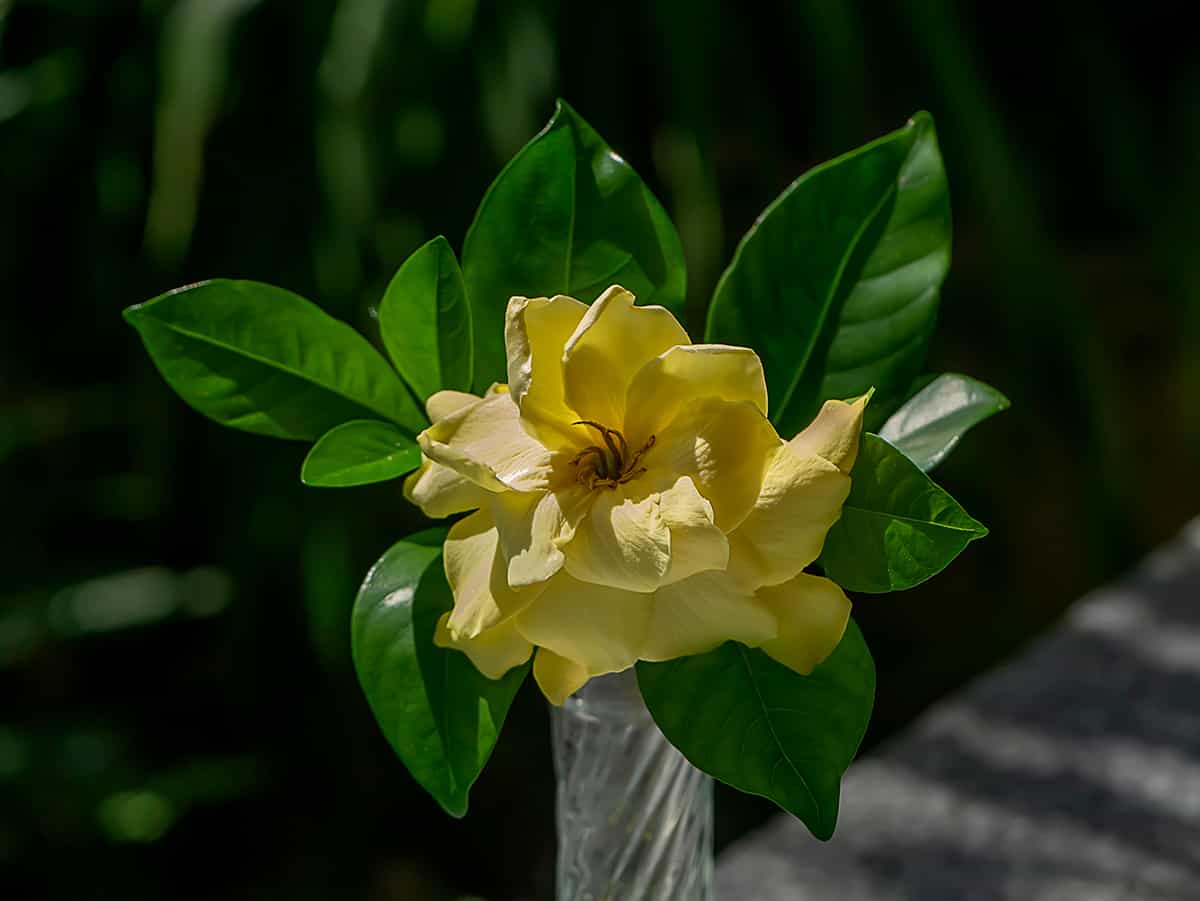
[1070, 774]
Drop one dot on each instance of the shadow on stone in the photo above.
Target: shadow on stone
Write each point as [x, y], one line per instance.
[1071, 774]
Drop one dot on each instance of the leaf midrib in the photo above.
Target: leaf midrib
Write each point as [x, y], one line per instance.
[827, 305]
[936, 427]
[272, 364]
[979, 408]
[569, 262]
[762, 704]
[444, 726]
[356, 467]
[909, 519]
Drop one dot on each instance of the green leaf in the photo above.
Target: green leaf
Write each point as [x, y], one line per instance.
[426, 322]
[930, 423]
[439, 713]
[360, 452]
[565, 216]
[754, 724]
[836, 285]
[897, 527]
[259, 358]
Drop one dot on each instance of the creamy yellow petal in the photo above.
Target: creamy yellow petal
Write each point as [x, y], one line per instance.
[440, 491]
[701, 612]
[623, 542]
[697, 544]
[612, 342]
[688, 373]
[533, 526]
[444, 404]
[725, 447]
[484, 442]
[834, 433]
[638, 538]
[494, 652]
[812, 613]
[536, 331]
[476, 571]
[800, 500]
[557, 677]
[601, 628]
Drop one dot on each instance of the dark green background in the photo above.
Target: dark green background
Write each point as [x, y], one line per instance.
[178, 715]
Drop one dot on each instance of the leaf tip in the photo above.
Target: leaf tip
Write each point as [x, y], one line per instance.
[567, 116]
[921, 120]
[138, 311]
[440, 242]
[564, 116]
[823, 829]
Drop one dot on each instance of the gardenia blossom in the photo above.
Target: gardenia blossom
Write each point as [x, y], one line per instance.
[631, 500]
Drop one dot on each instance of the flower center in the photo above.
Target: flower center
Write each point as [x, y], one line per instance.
[610, 464]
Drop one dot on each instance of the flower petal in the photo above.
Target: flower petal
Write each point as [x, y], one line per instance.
[800, 500]
[476, 572]
[535, 332]
[533, 526]
[484, 442]
[638, 538]
[600, 628]
[557, 677]
[623, 542]
[444, 404]
[701, 612]
[612, 342]
[697, 544]
[834, 433]
[494, 651]
[685, 374]
[440, 491]
[725, 447]
[813, 613]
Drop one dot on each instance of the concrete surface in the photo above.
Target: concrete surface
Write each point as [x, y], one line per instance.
[1070, 774]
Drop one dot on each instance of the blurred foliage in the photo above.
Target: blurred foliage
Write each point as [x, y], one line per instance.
[179, 718]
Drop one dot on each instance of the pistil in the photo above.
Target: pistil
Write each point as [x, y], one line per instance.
[609, 465]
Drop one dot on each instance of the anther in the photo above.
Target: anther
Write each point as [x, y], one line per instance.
[607, 467]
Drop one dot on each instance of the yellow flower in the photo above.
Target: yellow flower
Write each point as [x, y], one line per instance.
[632, 501]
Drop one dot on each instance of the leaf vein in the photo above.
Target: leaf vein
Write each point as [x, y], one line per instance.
[275, 364]
[774, 735]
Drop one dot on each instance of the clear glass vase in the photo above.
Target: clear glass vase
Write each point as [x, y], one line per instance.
[634, 817]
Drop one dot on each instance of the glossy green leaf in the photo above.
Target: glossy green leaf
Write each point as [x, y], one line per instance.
[259, 358]
[758, 726]
[897, 527]
[439, 713]
[930, 423]
[836, 285]
[426, 322]
[360, 452]
[565, 216]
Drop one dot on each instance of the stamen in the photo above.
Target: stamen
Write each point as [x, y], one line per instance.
[588, 422]
[608, 468]
[612, 448]
[638, 456]
[583, 453]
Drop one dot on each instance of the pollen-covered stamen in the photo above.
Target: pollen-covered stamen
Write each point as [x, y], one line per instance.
[637, 458]
[607, 466]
